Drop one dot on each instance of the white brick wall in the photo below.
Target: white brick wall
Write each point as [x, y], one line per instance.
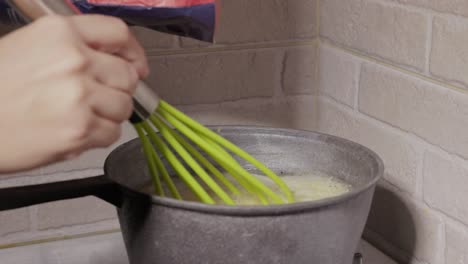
[444, 178]
[14, 221]
[73, 212]
[216, 77]
[265, 20]
[457, 239]
[435, 113]
[410, 106]
[446, 6]
[376, 29]
[401, 155]
[339, 75]
[300, 75]
[449, 51]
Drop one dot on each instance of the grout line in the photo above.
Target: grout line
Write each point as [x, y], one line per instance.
[257, 100]
[279, 92]
[358, 86]
[317, 72]
[422, 143]
[336, 103]
[33, 225]
[426, 146]
[318, 19]
[178, 43]
[444, 239]
[61, 238]
[419, 9]
[249, 46]
[396, 68]
[449, 218]
[452, 221]
[429, 45]
[420, 177]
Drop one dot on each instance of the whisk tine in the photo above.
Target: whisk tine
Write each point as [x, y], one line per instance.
[166, 177]
[156, 166]
[177, 166]
[180, 134]
[147, 148]
[220, 156]
[251, 188]
[207, 164]
[216, 154]
[167, 133]
[165, 107]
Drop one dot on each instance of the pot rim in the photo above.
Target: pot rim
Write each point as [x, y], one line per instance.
[265, 210]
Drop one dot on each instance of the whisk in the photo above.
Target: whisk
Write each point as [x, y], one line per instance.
[188, 133]
[181, 136]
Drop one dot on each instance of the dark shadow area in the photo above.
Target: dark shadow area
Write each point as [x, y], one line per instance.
[390, 218]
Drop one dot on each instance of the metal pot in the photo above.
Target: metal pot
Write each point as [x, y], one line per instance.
[167, 231]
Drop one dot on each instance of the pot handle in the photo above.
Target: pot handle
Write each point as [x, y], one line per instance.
[99, 186]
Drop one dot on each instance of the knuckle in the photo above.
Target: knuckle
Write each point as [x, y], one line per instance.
[78, 91]
[81, 128]
[76, 61]
[121, 29]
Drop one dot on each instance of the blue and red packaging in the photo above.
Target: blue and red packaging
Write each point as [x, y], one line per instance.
[189, 18]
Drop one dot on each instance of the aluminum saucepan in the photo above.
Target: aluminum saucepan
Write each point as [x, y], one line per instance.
[167, 231]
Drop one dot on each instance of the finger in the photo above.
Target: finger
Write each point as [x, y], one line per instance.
[104, 134]
[113, 71]
[111, 35]
[109, 103]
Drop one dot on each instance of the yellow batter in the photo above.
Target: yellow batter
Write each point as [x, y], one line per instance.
[307, 187]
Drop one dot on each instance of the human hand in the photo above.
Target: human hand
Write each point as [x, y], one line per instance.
[65, 87]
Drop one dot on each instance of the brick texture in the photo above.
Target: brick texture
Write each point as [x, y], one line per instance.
[293, 112]
[73, 212]
[459, 7]
[376, 29]
[449, 50]
[193, 43]
[445, 185]
[216, 77]
[435, 113]
[339, 74]
[14, 221]
[244, 21]
[457, 239]
[401, 156]
[300, 72]
[427, 185]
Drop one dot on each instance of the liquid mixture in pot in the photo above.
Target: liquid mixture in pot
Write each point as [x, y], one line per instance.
[306, 187]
